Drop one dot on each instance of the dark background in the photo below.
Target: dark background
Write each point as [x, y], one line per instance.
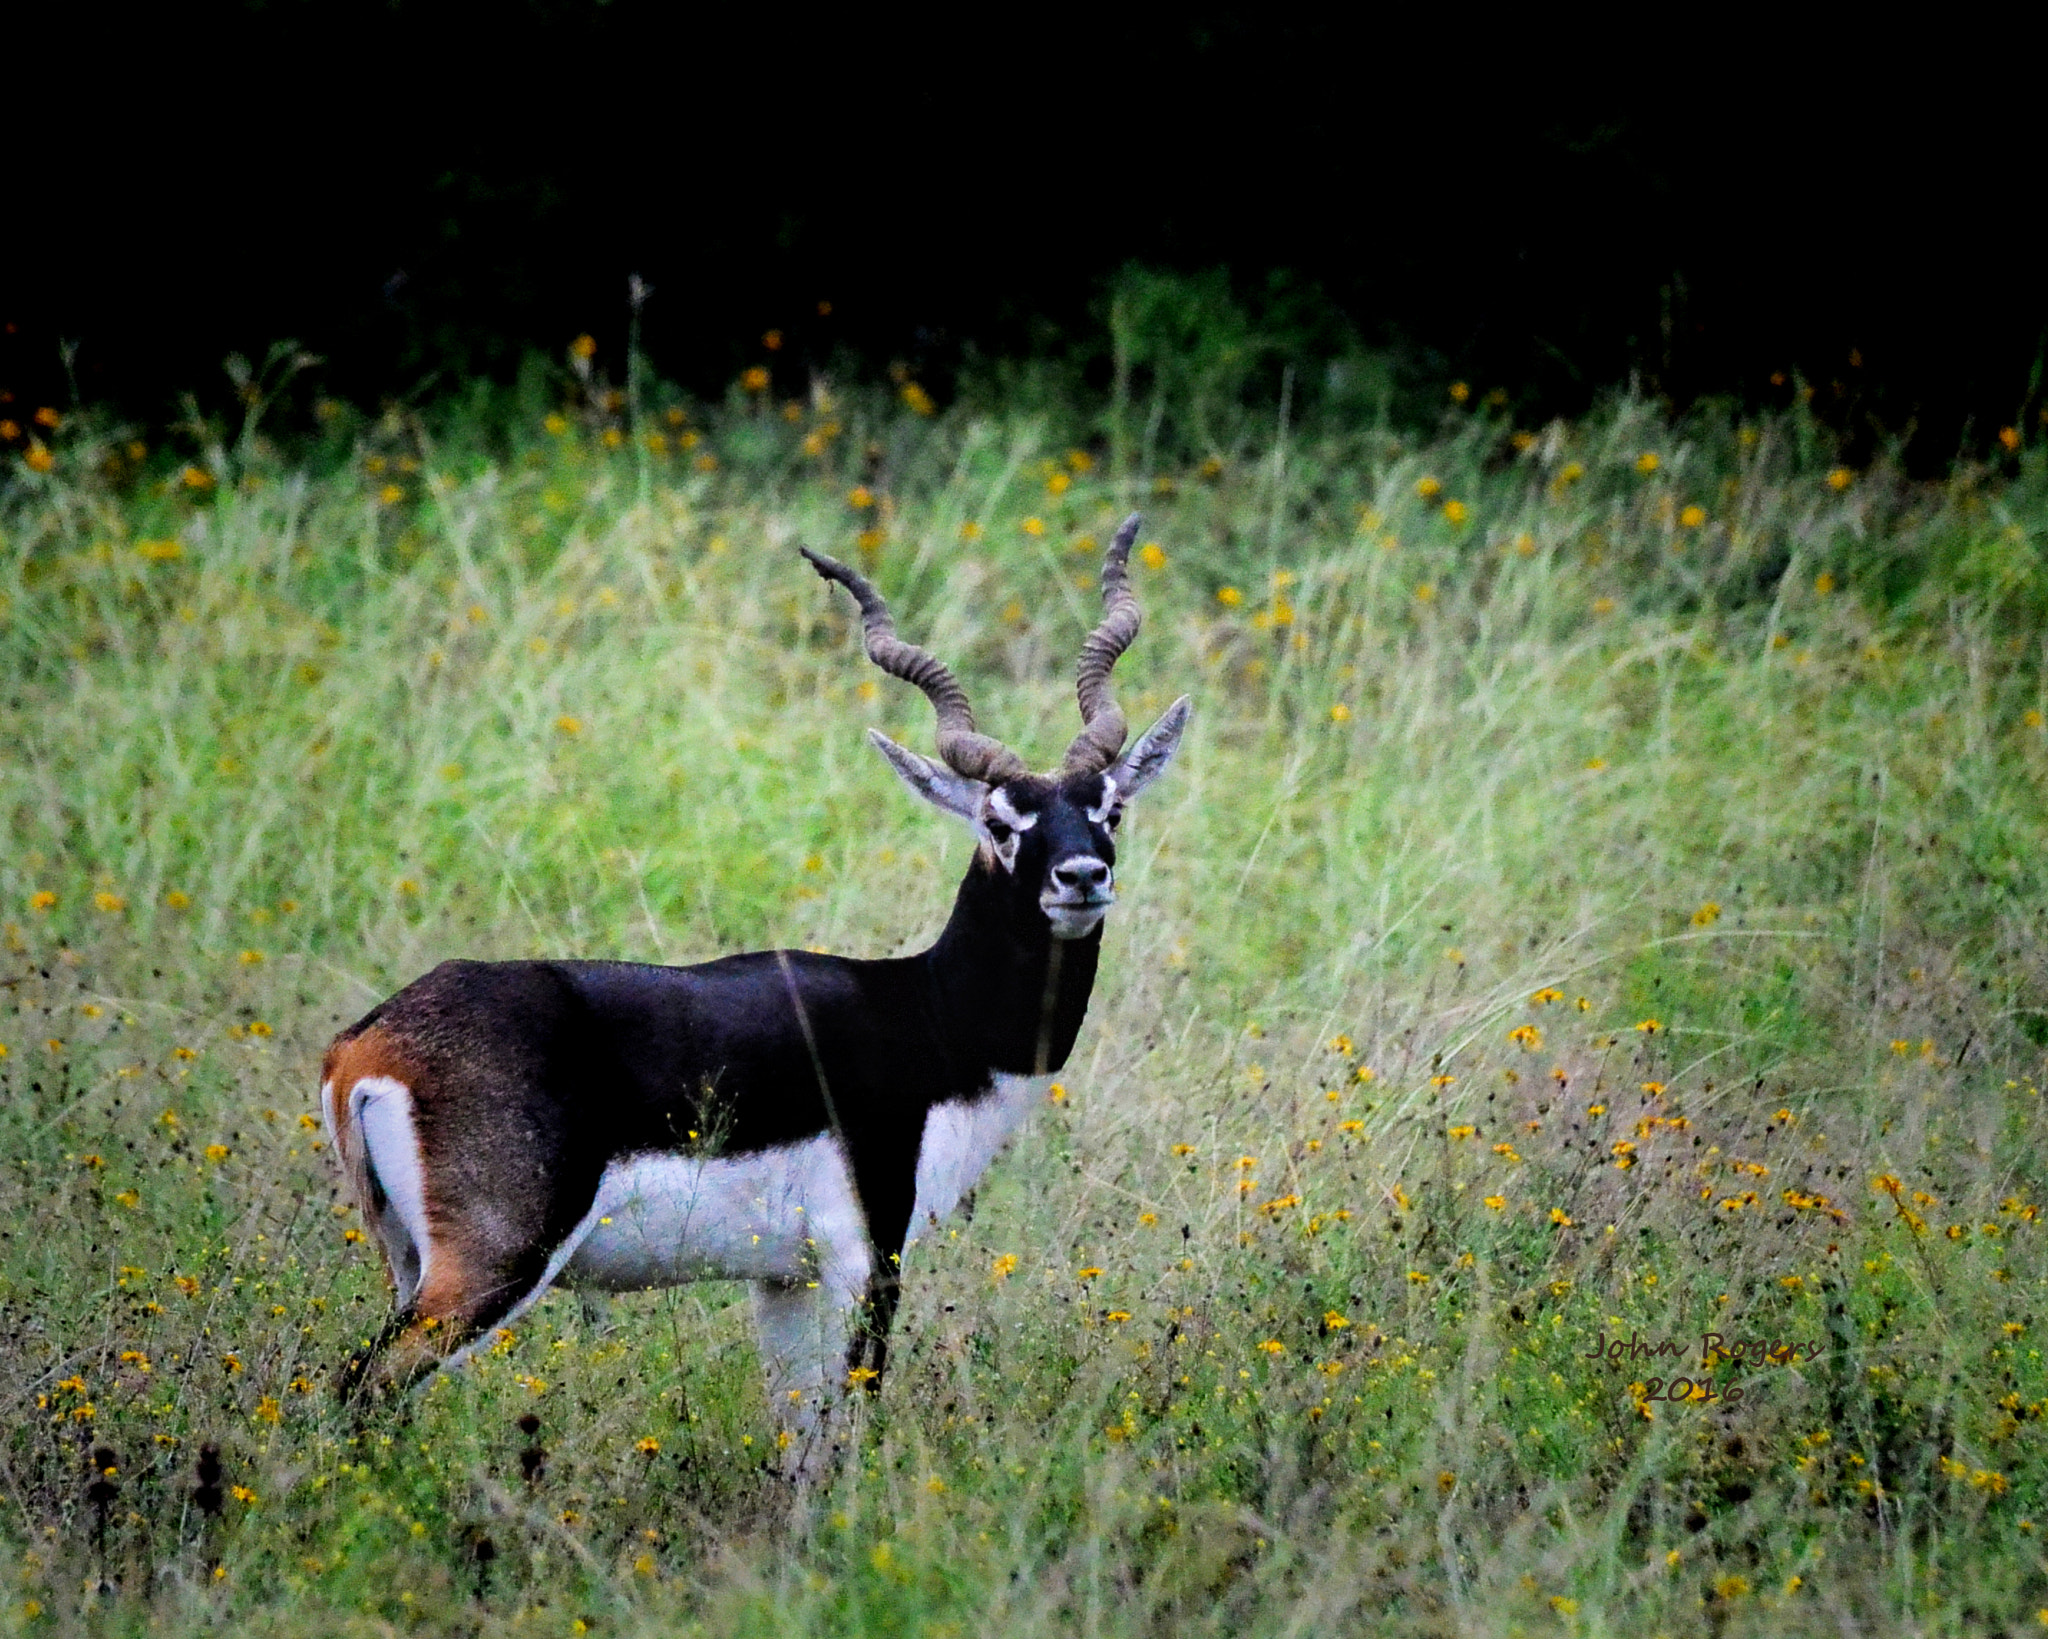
[421, 192]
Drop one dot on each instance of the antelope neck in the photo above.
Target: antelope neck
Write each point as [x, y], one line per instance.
[1008, 994]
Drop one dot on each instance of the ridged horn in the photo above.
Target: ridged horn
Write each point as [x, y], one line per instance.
[1104, 728]
[965, 752]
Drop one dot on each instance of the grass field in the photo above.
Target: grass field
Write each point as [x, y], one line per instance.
[1600, 899]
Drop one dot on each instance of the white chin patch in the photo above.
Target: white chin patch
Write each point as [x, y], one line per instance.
[1074, 921]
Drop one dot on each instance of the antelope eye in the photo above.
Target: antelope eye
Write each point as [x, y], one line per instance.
[1116, 818]
[998, 832]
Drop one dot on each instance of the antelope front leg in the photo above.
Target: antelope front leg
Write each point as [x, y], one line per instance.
[804, 1328]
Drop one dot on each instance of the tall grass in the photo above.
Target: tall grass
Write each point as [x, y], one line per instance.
[1600, 899]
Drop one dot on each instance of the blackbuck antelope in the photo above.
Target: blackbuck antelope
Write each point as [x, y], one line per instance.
[784, 1118]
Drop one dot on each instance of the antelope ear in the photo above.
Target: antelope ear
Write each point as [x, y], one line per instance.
[945, 790]
[1147, 759]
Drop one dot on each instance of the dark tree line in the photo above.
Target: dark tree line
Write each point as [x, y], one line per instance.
[421, 191]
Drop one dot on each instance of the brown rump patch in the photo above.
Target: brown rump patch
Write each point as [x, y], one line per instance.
[460, 1287]
[465, 1291]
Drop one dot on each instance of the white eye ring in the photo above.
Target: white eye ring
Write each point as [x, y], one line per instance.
[1001, 819]
[1111, 807]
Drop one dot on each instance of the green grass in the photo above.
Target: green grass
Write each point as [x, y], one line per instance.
[279, 737]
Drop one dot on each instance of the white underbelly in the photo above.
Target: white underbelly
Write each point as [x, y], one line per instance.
[781, 1214]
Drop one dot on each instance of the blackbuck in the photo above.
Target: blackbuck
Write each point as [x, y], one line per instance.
[784, 1118]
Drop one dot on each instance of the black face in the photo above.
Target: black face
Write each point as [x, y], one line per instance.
[1058, 841]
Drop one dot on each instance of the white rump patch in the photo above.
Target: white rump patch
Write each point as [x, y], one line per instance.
[380, 1111]
[961, 1137]
[327, 1119]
